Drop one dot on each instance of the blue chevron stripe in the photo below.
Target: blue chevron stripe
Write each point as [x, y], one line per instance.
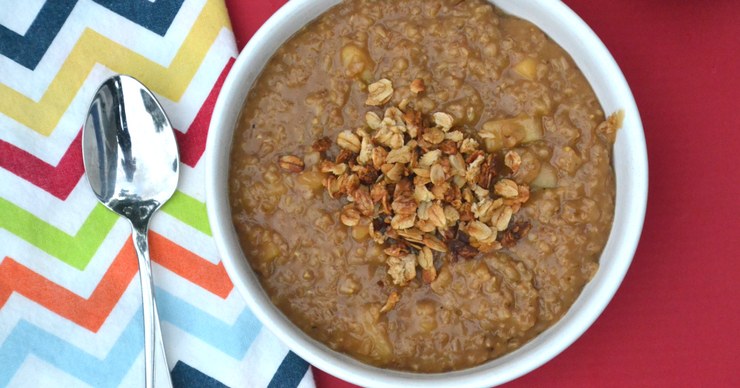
[290, 372]
[185, 376]
[233, 340]
[156, 16]
[28, 339]
[27, 50]
[25, 339]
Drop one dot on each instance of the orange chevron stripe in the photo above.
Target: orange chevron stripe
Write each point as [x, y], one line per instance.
[88, 313]
[91, 313]
[190, 266]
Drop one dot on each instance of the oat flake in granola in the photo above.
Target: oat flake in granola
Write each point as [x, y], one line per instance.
[477, 88]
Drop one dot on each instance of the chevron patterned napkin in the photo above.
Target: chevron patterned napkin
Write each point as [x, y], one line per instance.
[70, 305]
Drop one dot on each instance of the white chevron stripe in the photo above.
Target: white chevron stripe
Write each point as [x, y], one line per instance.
[266, 351]
[67, 215]
[135, 375]
[50, 149]
[23, 15]
[97, 344]
[192, 180]
[307, 381]
[28, 375]
[87, 14]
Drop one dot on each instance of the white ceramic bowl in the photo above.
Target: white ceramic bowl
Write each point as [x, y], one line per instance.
[630, 162]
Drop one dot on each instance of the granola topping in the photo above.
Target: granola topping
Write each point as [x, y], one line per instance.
[417, 86]
[291, 163]
[424, 186]
[379, 92]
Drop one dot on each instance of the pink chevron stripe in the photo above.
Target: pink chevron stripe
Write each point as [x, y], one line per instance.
[60, 180]
[193, 143]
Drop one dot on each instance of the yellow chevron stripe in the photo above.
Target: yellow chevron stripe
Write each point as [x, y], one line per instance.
[93, 48]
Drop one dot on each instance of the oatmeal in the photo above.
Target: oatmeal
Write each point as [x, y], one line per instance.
[424, 185]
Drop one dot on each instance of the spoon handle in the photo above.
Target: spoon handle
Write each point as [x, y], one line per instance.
[141, 244]
[162, 378]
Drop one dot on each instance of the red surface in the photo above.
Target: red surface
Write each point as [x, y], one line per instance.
[675, 320]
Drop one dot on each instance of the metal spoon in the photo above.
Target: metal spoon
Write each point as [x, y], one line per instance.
[132, 164]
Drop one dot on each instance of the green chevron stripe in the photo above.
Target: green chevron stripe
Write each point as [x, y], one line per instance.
[188, 210]
[78, 250]
[74, 250]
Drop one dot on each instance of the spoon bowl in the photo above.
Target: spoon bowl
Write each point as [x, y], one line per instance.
[129, 148]
[132, 164]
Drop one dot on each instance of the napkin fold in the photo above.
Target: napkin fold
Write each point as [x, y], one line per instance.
[70, 304]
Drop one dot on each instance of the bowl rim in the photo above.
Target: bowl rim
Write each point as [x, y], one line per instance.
[632, 186]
